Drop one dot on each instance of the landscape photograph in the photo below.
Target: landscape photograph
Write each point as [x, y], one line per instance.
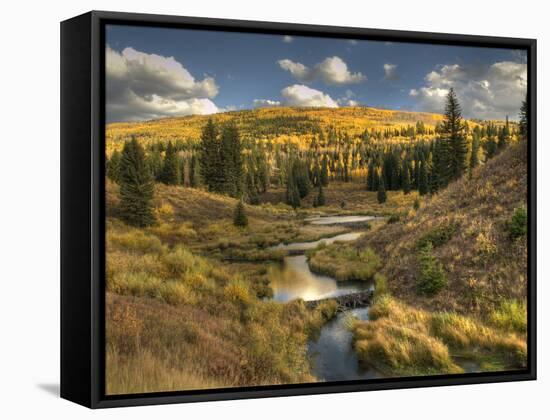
[284, 209]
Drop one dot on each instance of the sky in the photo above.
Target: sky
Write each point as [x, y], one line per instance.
[160, 72]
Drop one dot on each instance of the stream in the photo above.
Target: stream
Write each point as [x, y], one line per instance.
[332, 353]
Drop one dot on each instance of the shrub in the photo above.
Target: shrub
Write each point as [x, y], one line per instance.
[517, 226]
[239, 217]
[237, 291]
[432, 277]
[394, 218]
[416, 204]
[438, 236]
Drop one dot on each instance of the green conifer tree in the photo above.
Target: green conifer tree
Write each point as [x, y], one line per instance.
[524, 119]
[239, 217]
[453, 132]
[324, 172]
[381, 196]
[113, 166]
[136, 186]
[405, 178]
[321, 196]
[169, 173]
[209, 158]
[423, 186]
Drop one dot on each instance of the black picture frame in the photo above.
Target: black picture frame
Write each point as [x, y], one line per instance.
[83, 208]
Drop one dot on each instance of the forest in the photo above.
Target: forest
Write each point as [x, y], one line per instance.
[212, 222]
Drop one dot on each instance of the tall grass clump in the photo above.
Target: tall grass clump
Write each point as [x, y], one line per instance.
[510, 315]
[344, 263]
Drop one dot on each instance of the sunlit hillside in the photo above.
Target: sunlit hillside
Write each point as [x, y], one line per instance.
[279, 123]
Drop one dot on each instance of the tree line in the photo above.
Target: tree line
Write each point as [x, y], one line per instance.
[224, 163]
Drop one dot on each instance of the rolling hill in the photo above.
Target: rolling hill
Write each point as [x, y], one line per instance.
[279, 123]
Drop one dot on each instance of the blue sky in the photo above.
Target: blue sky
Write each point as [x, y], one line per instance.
[159, 72]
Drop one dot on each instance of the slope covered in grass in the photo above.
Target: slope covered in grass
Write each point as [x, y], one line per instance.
[468, 227]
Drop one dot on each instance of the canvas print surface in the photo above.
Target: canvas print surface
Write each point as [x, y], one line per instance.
[287, 209]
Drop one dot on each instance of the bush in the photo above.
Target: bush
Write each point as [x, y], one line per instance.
[394, 218]
[517, 226]
[416, 204]
[438, 236]
[239, 217]
[432, 277]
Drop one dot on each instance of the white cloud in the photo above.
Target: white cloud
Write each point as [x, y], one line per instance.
[145, 86]
[300, 95]
[347, 99]
[265, 103]
[332, 71]
[297, 70]
[488, 92]
[353, 41]
[288, 39]
[390, 71]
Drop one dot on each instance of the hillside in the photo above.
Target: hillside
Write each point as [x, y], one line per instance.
[467, 223]
[279, 123]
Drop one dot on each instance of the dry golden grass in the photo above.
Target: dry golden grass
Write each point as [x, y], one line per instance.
[401, 340]
[178, 320]
[344, 262]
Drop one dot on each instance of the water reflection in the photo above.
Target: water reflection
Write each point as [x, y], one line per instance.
[333, 354]
[331, 220]
[293, 279]
[304, 246]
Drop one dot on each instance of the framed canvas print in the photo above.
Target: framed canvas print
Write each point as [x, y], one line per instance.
[255, 209]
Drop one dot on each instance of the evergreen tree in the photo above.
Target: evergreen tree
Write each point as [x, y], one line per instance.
[155, 162]
[490, 147]
[239, 217]
[474, 161]
[504, 135]
[320, 199]
[405, 178]
[231, 160]
[381, 196]
[370, 177]
[423, 179]
[169, 173]
[453, 132]
[292, 192]
[194, 172]
[524, 119]
[324, 172]
[113, 166]
[136, 186]
[209, 158]
[301, 178]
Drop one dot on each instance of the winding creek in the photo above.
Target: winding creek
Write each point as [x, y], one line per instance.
[332, 352]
